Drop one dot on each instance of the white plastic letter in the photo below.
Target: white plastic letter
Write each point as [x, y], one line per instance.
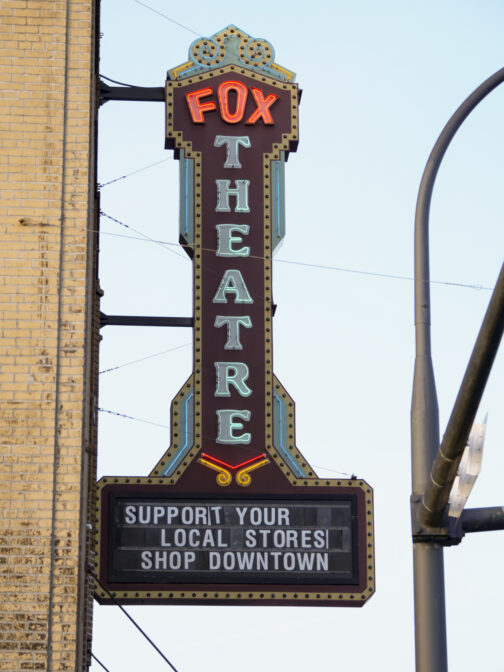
[232, 283]
[232, 373]
[233, 329]
[225, 240]
[227, 426]
[232, 142]
[224, 191]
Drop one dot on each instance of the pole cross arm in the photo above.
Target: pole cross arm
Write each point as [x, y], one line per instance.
[464, 411]
[487, 519]
[424, 411]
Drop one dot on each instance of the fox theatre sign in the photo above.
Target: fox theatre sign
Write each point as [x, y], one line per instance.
[233, 513]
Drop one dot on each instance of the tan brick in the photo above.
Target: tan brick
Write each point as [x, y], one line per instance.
[31, 132]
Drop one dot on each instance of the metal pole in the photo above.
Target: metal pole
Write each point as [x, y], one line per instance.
[430, 619]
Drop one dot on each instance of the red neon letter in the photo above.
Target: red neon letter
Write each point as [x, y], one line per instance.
[196, 108]
[263, 105]
[241, 99]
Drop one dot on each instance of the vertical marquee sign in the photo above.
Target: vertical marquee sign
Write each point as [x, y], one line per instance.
[233, 513]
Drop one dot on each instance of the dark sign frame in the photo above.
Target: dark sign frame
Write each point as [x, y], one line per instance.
[349, 593]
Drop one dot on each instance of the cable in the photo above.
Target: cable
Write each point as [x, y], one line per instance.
[115, 81]
[334, 471]
[99, 662]
[146, 237]
[131, 619]
[169, 19]
[142, 359]
[130, 417]
[134, 172]
[306, 264]
[149, 422]
[379, 275]
[157, 424]
[340, 269]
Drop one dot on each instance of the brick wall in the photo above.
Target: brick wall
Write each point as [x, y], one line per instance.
[48, 342]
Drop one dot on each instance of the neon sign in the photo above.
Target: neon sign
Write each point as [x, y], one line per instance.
[197, 108]
[232, 120]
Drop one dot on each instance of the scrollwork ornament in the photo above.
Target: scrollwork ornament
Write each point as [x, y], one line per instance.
[256, 52]
[207, 52]
[243, 477]
[224, 478]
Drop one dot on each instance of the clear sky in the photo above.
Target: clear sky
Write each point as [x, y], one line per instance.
[379, 80]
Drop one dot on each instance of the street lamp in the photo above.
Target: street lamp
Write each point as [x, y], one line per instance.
[434, 467]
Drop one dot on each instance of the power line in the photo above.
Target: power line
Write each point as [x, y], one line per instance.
[149, 422]
[145, 236]
[334, 471]
[169, 19]
[99, 662]
[130, 417]
[142, 359]
[134, 172]
[112, 597]
[341, 269]
[109, 79]
[376, 274]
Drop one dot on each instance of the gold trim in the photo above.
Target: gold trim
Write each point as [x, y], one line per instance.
[175, 438]
[243, 477]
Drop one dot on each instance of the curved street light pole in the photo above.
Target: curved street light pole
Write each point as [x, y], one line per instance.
[430, 617]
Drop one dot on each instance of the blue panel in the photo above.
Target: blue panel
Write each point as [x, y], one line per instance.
[186, 435]
[279, 418]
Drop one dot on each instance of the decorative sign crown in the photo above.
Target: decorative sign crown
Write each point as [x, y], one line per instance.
[231, 46]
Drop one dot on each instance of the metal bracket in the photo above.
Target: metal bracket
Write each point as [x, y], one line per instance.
[449, 533]
[150, 94]
[144, 321]
[452, 530]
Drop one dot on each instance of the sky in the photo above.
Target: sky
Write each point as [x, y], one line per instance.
[379, 81]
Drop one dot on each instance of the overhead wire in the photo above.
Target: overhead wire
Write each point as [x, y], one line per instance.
[128, 615]
[142, 359]
[99, 662]
[341, 269]
[157, 424]
[145, 236]
[326, 267]
[134, 172]
[130, 417]
[177, 23]
[109, 79]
